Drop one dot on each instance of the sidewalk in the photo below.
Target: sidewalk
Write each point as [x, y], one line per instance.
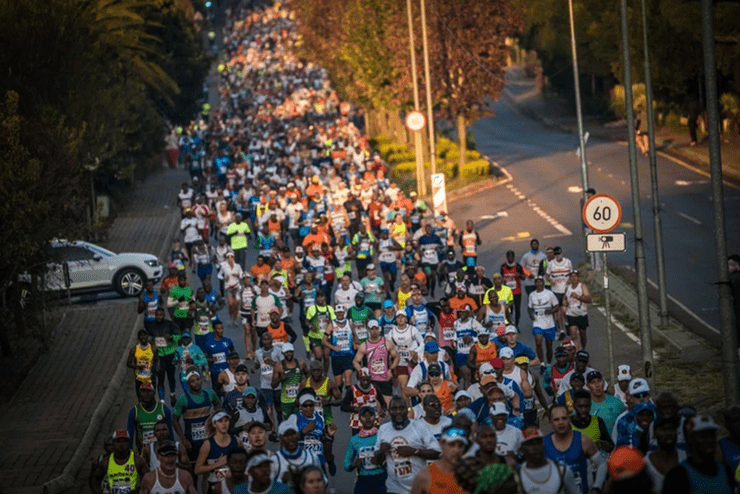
[522, 94]
[45, 421]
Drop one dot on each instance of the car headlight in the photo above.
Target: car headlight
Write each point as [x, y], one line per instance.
[153, 263]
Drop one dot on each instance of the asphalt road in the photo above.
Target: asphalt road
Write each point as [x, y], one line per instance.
[543, 201]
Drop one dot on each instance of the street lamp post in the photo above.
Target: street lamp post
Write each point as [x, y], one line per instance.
[421, 185]
[428, 86]
[659, 257]
[579, 118]
[726, 313]
[646, 336]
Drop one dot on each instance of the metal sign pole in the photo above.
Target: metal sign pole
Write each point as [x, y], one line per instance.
[608, 310]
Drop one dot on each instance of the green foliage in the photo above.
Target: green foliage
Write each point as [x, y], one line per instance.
[84, 84]
[405, 167]
[673, 121]
[475, 168]
[730, 103]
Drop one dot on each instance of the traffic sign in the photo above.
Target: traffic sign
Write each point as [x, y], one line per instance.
[439, 194]
[602, 213]
[606, 242]
[415, 121]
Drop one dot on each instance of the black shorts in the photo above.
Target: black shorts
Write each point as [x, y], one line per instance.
[385, 387]
[580, 321]
[559, 296]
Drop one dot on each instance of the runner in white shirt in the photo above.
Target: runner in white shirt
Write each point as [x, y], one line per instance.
[345, 293]
[232, 272]
[508, 437]
[531, 262]
[557, 273]
[576, 300]
[403, 446]
[542, 304]
[407, 340]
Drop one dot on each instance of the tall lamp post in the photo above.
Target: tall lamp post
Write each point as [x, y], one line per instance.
[659, 257]
[726, 312]
[579, 118]
[421, 185]
[646, 335]
[428, 86]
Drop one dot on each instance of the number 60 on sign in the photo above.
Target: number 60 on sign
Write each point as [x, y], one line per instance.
[602, 213]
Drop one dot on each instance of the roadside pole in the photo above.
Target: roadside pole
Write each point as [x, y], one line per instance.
[726, 314]
[659, 256]
[608, 310]
[428, 85]
[420, 181]
[602, 213]
[646, 335]
[579, 119]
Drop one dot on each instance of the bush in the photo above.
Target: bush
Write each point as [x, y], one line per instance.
[445, 146]
[400, 156]
[673, 121]
[405, 167]
[475, 168]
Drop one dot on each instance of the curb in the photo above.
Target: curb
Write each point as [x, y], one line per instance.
[68, 478]
[477, 187]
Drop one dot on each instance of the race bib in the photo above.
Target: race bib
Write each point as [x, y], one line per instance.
[198, 432]
[184, 305]
[121, 487]
[511, 284]
[263, 320]
[144, 372]
[221, 473]
[148, 437]
[387, 257]
[160, 341]
[539, 312]
[366, 454]
[219, 358]
[323, 322]
[311, 443]
[448, 334]
[402, 467]
[361, 331]
[404, 354]
[291, 391]
[470, 249]
[343, 343]
[377, 367]
[151, 311]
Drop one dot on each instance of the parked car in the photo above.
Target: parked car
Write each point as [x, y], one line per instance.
[95, 269]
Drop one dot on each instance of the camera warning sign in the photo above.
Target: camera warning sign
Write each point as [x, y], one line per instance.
[606, 242]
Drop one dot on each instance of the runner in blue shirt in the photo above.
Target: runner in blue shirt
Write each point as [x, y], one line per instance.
[217, 349]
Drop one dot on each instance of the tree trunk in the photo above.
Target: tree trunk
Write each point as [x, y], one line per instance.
[461, 137]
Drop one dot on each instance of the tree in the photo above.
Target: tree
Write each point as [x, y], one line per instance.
[468, 51]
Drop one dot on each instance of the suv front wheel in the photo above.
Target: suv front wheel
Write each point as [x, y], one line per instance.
[130, 282]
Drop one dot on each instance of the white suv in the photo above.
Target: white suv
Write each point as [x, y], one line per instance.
[95, 269]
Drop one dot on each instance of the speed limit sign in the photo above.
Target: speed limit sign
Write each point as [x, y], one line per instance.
[602, 213]
[415, 121]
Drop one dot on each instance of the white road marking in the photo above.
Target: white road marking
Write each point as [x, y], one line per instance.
[684, 183]
[574, 189]
[500, 214]
[686, 216]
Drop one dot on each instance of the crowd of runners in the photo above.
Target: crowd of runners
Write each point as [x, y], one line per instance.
[374, 340]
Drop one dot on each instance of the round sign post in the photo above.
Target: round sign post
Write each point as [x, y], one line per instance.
[415, 121]
[602, 213]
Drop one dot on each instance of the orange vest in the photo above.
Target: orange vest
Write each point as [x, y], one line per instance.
[442, 483]
[445, 396]
[484, 354]
[469, 244]
[279, 333]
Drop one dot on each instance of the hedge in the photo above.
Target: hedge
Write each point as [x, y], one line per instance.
[475, 168]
